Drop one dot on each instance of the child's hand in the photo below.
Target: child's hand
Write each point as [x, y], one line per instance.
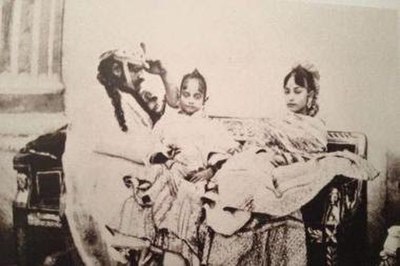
[278, 160]
[234, 150]
[201, 175]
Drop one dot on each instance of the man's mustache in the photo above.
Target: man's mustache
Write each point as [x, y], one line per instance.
[133, 86]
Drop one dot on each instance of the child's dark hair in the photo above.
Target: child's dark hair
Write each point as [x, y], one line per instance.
[195, 74]
[309, 80]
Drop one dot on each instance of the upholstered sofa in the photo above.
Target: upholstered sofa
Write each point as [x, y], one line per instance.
[335, 220]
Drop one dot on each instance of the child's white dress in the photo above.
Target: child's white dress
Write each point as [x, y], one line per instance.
[175, 201]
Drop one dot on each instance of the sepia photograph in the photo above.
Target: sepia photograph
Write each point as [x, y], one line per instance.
[199, 132]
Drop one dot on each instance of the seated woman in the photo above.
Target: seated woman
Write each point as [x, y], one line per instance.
[253, 202]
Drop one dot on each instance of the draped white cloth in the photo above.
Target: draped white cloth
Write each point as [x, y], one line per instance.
[251, 182]
[94, 186]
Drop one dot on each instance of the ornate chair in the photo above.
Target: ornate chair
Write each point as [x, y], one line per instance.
[336, 220]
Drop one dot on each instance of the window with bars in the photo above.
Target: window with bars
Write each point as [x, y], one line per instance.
[30, 46]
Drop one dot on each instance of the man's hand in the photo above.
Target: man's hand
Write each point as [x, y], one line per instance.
[172, 151]
[155, 67]
[163, 157]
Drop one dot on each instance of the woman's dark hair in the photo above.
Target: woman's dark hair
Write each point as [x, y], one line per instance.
[195, 74]
[309, 80]
[111, 83]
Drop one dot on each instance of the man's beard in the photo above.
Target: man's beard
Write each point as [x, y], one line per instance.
[154, 113]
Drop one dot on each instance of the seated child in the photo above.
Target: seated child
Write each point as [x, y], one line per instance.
[188, 137]
[192, 148]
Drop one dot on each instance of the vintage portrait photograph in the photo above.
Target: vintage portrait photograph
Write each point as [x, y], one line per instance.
[199, 132]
